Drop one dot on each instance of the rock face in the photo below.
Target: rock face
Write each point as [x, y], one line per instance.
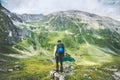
[115, 72]
[31, 17]
[12, 16]
[71, 17]
[116, 75]
[67, 70]
[9, 33]
[56, 75]
[86, 25]
[6, 70]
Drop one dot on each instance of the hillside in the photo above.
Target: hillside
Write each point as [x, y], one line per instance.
[86, 27]
[6, 29]
[92, 45]
[31, 17]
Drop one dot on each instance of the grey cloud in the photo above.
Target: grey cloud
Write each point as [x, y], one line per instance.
[47, 6]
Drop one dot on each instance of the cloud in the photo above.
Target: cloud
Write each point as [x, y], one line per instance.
[101, 7]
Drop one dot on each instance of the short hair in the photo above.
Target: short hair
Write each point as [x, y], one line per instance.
[59, 41]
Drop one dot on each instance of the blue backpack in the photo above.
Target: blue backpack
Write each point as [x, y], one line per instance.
[60, 48]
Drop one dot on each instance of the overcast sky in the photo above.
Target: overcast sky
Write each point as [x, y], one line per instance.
[102, 7]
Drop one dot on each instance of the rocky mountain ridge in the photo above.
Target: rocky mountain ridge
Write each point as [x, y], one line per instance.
[9, 32]
[31, 17]
[88, 18]
[86, 25]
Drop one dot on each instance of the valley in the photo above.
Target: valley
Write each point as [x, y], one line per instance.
[91, 42]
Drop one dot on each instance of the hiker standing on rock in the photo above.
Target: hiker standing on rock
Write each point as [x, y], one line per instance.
[59, 54]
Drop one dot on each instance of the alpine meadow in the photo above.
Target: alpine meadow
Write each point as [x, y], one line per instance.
[92, 45]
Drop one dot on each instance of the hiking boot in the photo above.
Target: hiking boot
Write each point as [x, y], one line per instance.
[57, 70]
[61, 70]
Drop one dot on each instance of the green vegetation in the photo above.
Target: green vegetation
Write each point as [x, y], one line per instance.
[34, 68]
[93, 50]
[95, 72]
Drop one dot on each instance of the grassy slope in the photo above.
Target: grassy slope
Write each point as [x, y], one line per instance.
[34, 68]
[95, 72]
[37, 67]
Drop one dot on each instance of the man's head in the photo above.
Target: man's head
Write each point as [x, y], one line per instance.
[59, 41]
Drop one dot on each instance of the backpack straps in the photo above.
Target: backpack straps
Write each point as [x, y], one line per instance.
[60, 45]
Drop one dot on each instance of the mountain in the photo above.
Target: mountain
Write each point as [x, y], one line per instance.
[89, 39]
[12, 16]
[31, 17]
[75, 28]
[9, 32]
[91, 42]
[114, 6]
[113, 3]
[79, 16]
[7, 29]
[83, 27]
[89, 28]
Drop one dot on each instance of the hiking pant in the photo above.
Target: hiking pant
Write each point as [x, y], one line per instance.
[59, 58]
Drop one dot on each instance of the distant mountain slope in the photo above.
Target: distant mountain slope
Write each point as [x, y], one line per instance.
[83, 27]
[31, 17]
[79, 16]
[93, 29]
[12, 16]
[9, 33]
[6, 29]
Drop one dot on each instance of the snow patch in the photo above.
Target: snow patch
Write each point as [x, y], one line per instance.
[68, 33]
[10, 34]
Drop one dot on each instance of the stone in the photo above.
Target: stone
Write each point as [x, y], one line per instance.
[68, 69]
[56, 75]
[10, 70]
[61, 75]
[116, 75]
[89, 70]
[110, 69]
[17, 62]
[18, 67]
[4, 70]
[86, 75]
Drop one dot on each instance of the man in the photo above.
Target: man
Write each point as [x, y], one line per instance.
[59, 54]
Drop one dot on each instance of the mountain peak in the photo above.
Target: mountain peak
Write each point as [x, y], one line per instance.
[0, 5]
[62, 18]
[4, 9]
[13, 16]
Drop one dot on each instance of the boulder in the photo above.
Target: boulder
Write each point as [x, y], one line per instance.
[67, 70]
[3, 70]
[18, 67]
[116, 75]
[57, 75]
[10, 70]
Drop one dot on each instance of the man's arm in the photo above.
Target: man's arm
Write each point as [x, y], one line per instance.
[64, 50]
[55, 48]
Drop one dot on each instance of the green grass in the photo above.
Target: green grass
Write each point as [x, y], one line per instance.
[37, 67]
[34, 68]
[8, 49]
[87, 54]
[95, 72]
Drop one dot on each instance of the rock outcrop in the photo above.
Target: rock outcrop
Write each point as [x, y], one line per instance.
[68, 70]
[10, 33]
